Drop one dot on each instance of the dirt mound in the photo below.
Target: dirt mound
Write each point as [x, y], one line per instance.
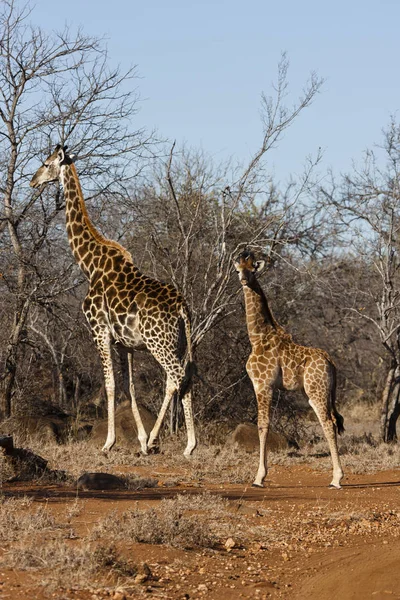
[125, 426]
[21, 464]
[47, 428]
[246, 436]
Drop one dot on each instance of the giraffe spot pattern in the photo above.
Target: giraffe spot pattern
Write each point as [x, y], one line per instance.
[277, 361]
[121, 304]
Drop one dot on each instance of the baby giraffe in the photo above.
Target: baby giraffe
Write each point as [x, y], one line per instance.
[276, 362]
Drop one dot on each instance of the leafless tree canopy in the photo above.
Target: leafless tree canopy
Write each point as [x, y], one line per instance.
[53, 88]
[332, 248]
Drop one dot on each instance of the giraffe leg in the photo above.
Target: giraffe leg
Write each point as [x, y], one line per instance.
[142, 435]
[189, 421]
[171, 388]
[319, 404]
[103, 342]
[264, 398]
[174, 382]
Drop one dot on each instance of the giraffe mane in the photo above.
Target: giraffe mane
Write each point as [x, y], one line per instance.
[95, 232]
[265, 309]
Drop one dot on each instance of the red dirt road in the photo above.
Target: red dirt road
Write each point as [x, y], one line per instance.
[317, 543]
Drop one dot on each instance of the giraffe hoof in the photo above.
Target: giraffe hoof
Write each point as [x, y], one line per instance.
[335, 486]
[140, 453]
[106, 449]
[257, 485]
[153, 450]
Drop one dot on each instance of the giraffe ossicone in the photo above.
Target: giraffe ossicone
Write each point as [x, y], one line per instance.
[125, 307]
[277, 362]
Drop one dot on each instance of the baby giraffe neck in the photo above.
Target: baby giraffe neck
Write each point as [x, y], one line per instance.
[258, 315]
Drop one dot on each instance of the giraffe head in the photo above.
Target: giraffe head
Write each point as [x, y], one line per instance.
[51, 168]
[247, 266]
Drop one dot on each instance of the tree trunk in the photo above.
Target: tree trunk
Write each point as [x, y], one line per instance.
[10, 371]
[77, 391]
[393, 408]
[394, 415]
[62, 393]
[385, 401]
[390, 407]
[8, 387]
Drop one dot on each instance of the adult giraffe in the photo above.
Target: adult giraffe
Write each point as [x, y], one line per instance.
[124, 306]
[277, 362]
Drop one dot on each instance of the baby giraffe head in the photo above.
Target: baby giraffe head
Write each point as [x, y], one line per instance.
[51, 168]
[247, 266]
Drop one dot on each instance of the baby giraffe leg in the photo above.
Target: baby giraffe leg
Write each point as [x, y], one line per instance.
[264, 398]
[320, 408]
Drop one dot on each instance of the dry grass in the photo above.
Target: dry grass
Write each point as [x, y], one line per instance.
[79, 457]
[20, 518]
[221, 464]
[188, 522]
[32, 539]
[135, 483]
[65, 565]
[216, 463]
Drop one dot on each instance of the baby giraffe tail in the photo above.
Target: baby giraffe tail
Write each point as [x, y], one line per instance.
[336, 416]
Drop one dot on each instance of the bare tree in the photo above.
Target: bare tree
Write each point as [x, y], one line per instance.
[210, 213]
[54, 87]
[368, 203]
[194, 217]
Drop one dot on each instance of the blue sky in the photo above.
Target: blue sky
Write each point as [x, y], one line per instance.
[203, 66]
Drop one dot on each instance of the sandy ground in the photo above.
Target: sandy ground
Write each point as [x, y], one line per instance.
[317, 543]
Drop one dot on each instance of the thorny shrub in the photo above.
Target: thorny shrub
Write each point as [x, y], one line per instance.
[18, 520]
[174, 523]
[67, 565]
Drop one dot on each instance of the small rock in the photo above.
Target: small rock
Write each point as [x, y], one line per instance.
[141, 578]
[202, 587]
[258, 546]
[146, 569]
[119, 596]
[229, 544]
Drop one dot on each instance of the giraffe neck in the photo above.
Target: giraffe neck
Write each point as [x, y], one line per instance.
[85, 240]
[259, 317]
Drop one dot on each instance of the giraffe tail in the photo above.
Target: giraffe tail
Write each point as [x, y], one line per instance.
[185, 351]
[190, 370]
[336, 416]
[185, 336]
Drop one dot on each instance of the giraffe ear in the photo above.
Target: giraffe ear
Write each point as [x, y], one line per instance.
[60, 154]
[259, 265]
[236, 265]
